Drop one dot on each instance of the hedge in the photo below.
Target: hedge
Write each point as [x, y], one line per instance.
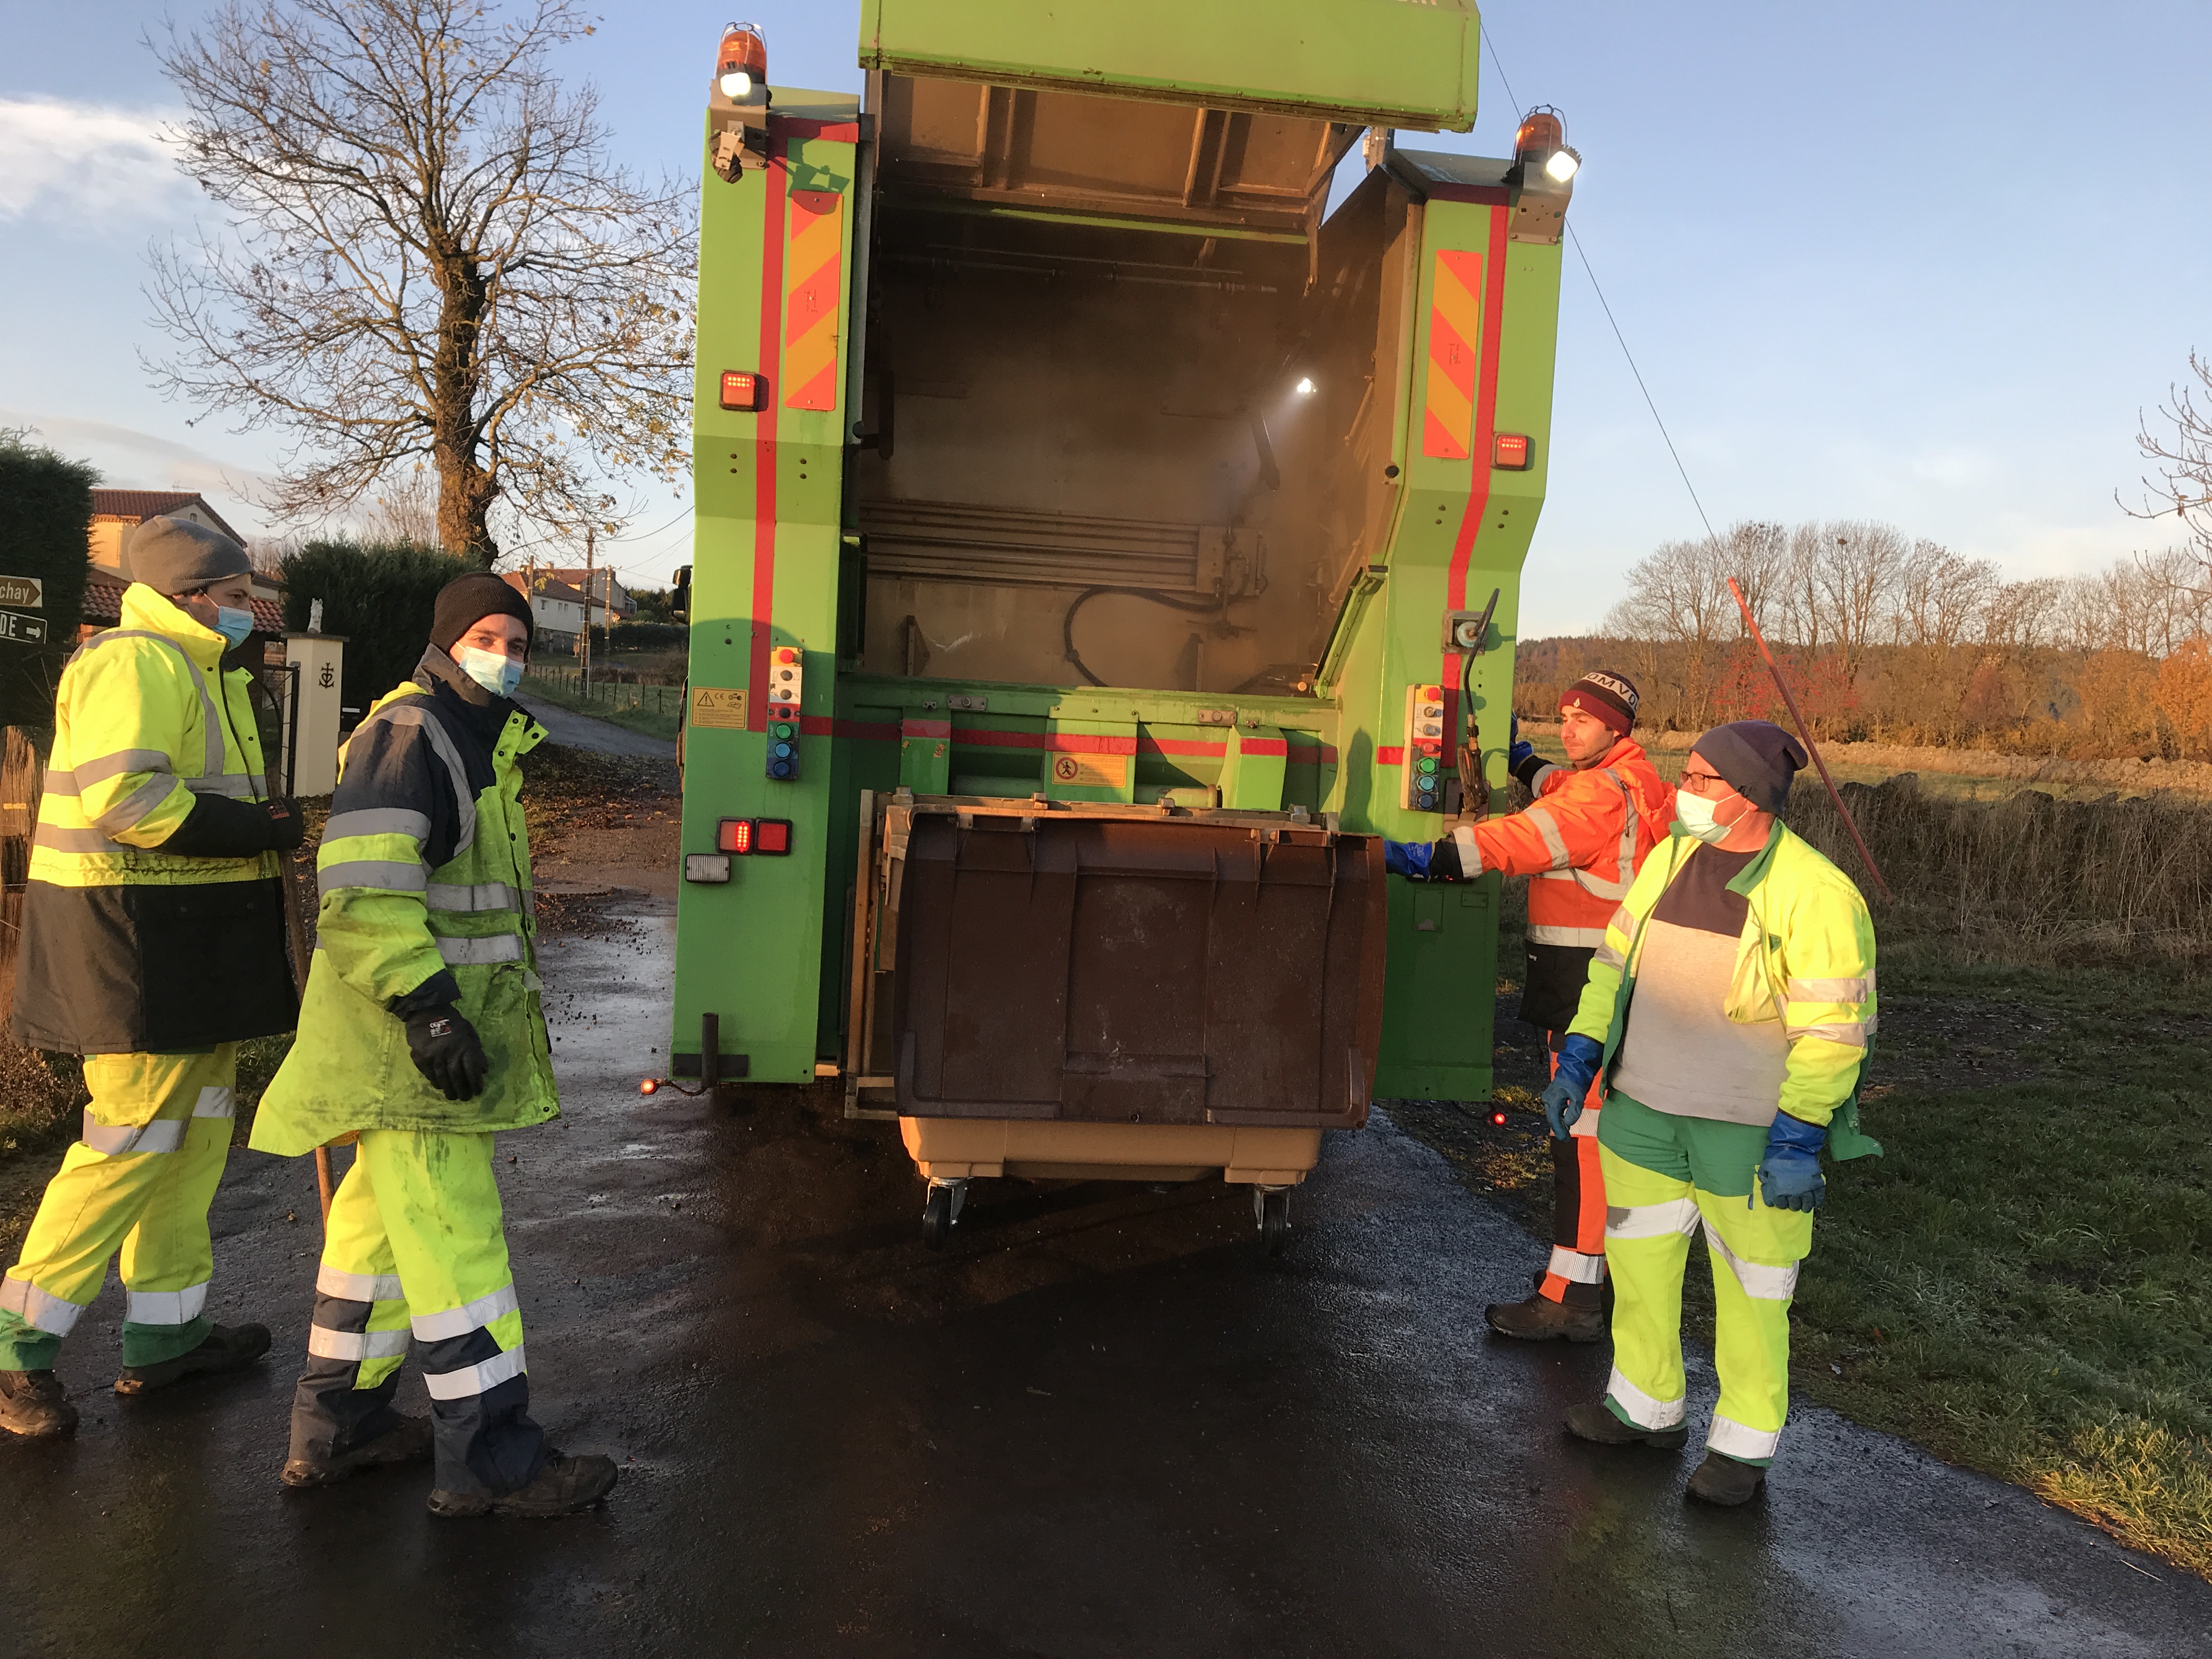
[45, 529]
[380, 595]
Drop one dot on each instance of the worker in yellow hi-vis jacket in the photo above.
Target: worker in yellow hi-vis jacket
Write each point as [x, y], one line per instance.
[153, 944]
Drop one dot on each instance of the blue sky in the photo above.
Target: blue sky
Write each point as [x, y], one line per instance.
[1923, 263]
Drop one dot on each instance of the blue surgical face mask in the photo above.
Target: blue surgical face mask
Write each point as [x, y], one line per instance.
[495, 671]
[232, 625]
[1697, 816]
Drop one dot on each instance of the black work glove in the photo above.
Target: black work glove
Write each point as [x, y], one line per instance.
[446, 1049]
[287, 828]
[218, 827]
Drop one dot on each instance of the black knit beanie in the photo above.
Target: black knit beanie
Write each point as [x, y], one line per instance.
[1756, 759]
[467, 600]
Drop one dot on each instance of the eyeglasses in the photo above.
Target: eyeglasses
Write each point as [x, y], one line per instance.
[1701, 783]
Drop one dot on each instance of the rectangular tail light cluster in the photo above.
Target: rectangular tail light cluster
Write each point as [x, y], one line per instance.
[767, 836]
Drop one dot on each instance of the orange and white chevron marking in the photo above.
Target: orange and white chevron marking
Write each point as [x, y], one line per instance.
[814, 263]
[1455, 339]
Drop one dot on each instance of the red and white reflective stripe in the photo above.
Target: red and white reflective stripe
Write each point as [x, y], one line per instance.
[165, 1307]
[1576, 1267]
[476, 1379]
[38, 1309]
[1732, 1439]
[1639, 1407]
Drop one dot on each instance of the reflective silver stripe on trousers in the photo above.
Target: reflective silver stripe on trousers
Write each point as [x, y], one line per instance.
[326, 1344]
[389, 874]
[476, 1379]
[358, 1287]
[165, 1307]
[1545, 934]
[36, 1307]
[199, 682]
[1470, 851]
[1852, 1033]
[1642, 1409]
[441, 744]
[474, 1315]
[1548, 828]
[459, 895]
[1576, 1266]
[1732, 1439]
[480, 952]
[1676, 1215]
[1767, 1283]
[378, 821]
[1832, 990]
[163, 1134]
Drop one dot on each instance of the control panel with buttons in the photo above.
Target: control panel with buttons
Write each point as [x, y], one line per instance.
[1424, 789]
[787, 678]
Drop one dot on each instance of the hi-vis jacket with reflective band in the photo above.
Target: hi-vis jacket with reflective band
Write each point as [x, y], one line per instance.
[1806, 958]
[1582, 841]
[144, 720]
[424, 869]
[126, 948]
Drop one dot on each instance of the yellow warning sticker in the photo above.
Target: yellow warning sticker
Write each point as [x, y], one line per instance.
[714, 706]
[1091, 771]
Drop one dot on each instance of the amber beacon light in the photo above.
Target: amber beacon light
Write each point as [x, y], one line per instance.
[742, 64]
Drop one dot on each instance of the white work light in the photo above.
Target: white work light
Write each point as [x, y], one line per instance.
[1563, 165]
[1305, 386]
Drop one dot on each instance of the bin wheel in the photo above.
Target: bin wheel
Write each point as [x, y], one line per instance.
[937, 1218]
[1274, 1220]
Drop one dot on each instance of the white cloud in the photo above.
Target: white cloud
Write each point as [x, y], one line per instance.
[129, 458]
[86, 163]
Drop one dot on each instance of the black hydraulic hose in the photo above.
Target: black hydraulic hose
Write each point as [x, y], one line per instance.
[1067, 625]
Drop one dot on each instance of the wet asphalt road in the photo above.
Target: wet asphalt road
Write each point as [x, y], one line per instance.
[1100, 1424]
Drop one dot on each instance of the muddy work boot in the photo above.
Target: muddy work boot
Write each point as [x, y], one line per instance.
[407, 1441]
[1540, 1319]
[1596, 1422]
[228, 1348]
[33, 1404]
[565, 1485]
[1722, 1480]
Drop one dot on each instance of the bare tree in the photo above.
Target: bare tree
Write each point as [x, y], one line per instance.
[432, 258]
[1855, 574]
[2184, 460]
[404, 509]
[1678, 596]
[1939, 594]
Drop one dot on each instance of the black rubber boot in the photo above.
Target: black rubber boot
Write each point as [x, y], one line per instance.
[1722, 1480]
[228, 1348]
[34, 1404]
[1595, 1422]
[407, 1441]
[564, 1485]
[1540, 1319]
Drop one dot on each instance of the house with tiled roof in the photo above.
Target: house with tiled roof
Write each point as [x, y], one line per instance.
[117, 513]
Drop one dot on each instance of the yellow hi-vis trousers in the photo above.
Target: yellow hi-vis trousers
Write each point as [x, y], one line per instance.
[413, 1257]
[154, 1141]
[1650, 1213]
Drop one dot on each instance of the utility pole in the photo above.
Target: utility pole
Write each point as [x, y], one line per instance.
[591, 540]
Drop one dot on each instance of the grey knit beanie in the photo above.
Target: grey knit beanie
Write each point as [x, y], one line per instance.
[175, 556]
[1756, 759]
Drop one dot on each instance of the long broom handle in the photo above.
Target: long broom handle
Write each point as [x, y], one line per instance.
[1805, 732]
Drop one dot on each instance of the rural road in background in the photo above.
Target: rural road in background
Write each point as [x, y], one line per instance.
[1102, 1423]
[582, 732]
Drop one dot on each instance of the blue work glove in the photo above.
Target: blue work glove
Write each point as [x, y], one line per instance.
[1407, 858]
[1579, 1058]
[1516, 750]
[1790, 1175]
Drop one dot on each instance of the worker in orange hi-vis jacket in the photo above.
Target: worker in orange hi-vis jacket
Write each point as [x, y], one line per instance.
[1583, 839]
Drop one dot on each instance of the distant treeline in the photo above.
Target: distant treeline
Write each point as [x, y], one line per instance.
[1889, 639]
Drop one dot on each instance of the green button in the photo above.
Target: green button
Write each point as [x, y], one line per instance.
[781, 729]
[1428, 763]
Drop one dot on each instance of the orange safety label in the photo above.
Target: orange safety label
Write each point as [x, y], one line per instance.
[815, 263]
[1454, 334]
